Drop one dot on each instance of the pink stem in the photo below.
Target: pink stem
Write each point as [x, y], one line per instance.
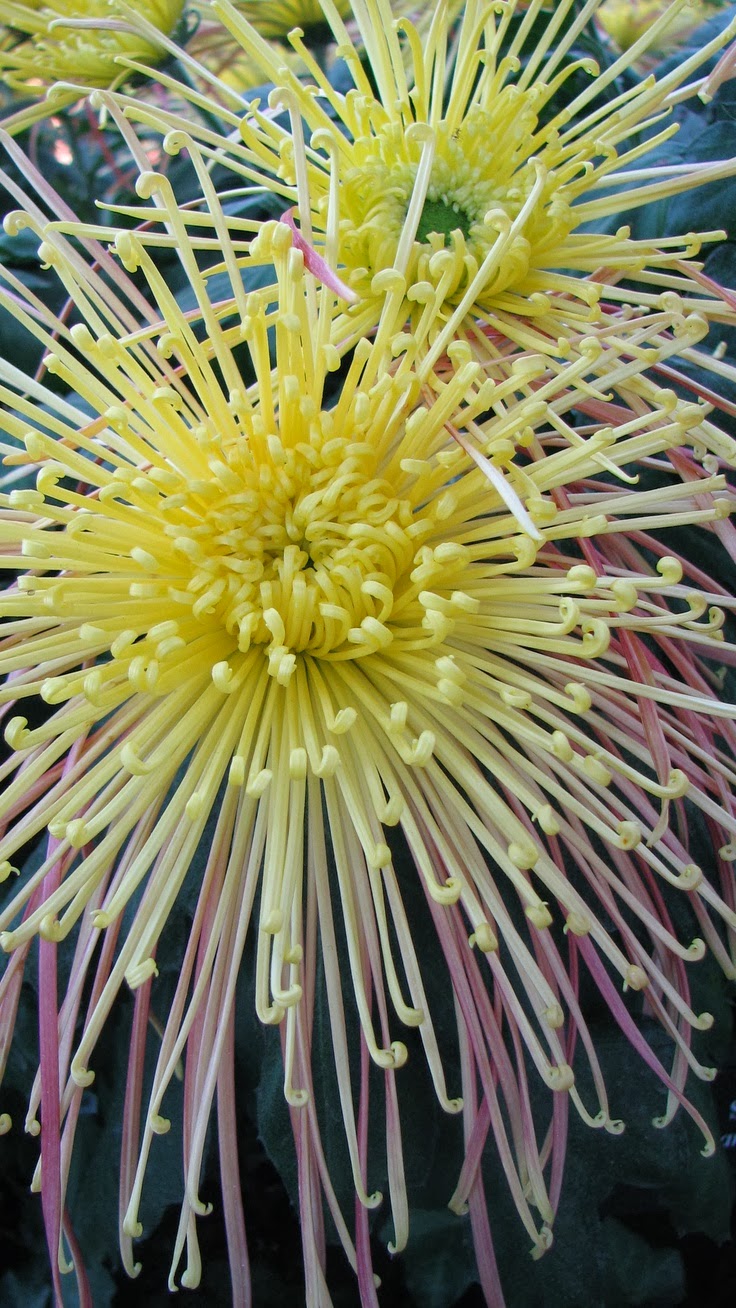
[50, 1105]
[237, 1245]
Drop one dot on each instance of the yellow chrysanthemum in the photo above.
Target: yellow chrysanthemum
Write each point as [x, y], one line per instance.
[295, 621]
[468, 198]
[79, 41]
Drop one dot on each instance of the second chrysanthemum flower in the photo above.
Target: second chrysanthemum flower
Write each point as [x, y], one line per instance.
[474, 183]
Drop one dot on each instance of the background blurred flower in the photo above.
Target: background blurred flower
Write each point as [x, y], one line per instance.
[220, 51]
[75, 41]
[213, 46]
[625, 23]
[274, 19]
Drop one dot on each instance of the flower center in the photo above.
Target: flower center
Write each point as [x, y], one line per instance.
[304, 547]
[443, 219]
[483, 183]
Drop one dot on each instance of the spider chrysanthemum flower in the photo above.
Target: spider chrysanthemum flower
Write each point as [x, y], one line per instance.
[293, 620]
[476, 187]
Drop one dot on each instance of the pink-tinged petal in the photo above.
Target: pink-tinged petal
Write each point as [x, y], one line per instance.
[51, 1197]
[310, 1211]
[237, 1245]
[473, 1113]
[132, 1120]
[52, 1188]
[725, 293]
[366, 1275]
[631, 1031]
[316, 264]
[84, 1290]
[697, 387]
[10, 987]
[635, 654]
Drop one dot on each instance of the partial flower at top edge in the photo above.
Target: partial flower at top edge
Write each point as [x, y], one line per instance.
[464, 211]
[624, 21]
[76, 45]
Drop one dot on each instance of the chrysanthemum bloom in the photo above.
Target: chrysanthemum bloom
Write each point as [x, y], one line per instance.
[472, 189]
[78, 43]
[294, 619]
